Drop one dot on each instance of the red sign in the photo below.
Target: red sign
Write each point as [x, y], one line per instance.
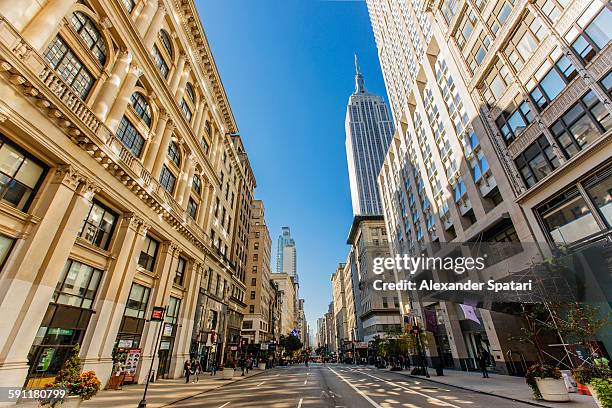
[157, 315]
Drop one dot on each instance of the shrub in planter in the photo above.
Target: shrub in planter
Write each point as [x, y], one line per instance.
[602, 388]
[540, 371]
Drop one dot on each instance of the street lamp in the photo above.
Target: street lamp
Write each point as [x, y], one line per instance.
[157, 315]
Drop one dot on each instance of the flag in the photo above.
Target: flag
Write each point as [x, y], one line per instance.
[470, 313]
[431, 322]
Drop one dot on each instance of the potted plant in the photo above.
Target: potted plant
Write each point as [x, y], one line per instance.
[547, 383]
[228, 370]
[79, 386]
[598, 380]
[582, 377]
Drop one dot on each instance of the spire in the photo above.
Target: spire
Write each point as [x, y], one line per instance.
[359, 85]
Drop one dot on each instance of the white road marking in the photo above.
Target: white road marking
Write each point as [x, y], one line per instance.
[446, 403]
[224, 404]
[258, 385]
[370, 400]
[300, 403]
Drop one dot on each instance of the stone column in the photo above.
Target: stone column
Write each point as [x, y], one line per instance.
[160, 295]
[197, 123]
[155, 26]
[178, 94]
[182, 341]
[162, 150]
[206, 208]
[44, 25]
[145, 15]
[123, 98]
[111, 86]
[32, 275]
[178, 71]
[20, 16]
[155, 140]
[184, 188]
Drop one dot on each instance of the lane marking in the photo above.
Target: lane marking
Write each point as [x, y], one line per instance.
[300, 403]
[258, 385]
[224, 404]
[370, 400]
[446, 403]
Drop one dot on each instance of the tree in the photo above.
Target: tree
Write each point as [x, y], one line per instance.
[290, 343]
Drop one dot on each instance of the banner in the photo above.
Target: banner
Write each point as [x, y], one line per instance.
[431, 321]
[470, 313]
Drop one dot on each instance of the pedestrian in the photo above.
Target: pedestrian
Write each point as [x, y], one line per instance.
[187, 370]
[196, 369]
[482, 362]
[213, 368]
[249, 364]
[242, 363]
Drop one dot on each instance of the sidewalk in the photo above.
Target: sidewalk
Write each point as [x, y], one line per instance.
[503, 386]
[160, 394]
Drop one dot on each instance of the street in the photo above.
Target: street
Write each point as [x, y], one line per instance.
[336, 385]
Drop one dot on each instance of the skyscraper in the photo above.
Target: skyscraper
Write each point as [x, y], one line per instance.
[286, 254]
[368, 133]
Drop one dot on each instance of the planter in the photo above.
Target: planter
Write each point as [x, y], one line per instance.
[553, 389]
[227, 373]
[71, 402]
[261, 366]
[594, 394]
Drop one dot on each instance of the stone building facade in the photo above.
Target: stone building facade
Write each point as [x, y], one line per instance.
[118, 172]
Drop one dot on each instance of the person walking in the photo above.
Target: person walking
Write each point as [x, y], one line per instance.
[242, 364]
[213, 368]
[196, 370]
[187, 370]
[482, 362]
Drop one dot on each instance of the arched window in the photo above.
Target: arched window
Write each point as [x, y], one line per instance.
[165, 39]
[69, 67]
[174, 154]
[197, 184]
[141, 107]
[190, 92]
[89, 33]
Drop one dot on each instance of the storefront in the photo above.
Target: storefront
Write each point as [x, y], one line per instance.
[64, 323]
[168, 335]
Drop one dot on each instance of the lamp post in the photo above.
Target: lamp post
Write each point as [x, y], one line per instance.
[157, 315]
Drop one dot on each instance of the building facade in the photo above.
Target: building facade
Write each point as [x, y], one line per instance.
[288, 302]
[369, 130]
[503, 135]
[286, 253]
[330, 329]
[340, 305]
[379, 309]
[117, 166]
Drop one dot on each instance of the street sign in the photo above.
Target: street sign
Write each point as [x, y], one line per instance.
[157, 315]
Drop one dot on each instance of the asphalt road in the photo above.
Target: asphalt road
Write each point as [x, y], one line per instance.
[339, 386]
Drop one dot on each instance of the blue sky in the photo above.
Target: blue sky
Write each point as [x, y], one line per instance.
[287, 67]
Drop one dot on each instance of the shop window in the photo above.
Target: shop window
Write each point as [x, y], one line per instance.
[599, 190]
[584, 122]
[98, 225]
[77, 285]
[20, 176]
[69, 68]
[148, 254]
[568, 219]
[130, 137]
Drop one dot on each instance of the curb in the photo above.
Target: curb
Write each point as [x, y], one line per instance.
[221, 385]
[533, 403]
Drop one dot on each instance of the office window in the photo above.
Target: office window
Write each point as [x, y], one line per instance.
[555, 81]
[160, 62]
[148, 254]
[537, 161]
[479, 51]
[186, 110]
[141, 107]
[129, 136]
[524, 41]
[20, 176]
[196, 184]
[500, 14]
[77, 285]
[167, 43]
[179, 275]
[129, 4]
[449, 8]
[588, 37]
[253, 281]
[6, 244]
[496, 82]
[138, 299]
[174, 154]
[98, 225]
[251, 308]
[584, 122]
[552, 8]
[190, 92]
[192, 208]
[512, 124]
[599, 190]
[204, 145]
[69, 67]
[466, 27]
[247, 324]
[252, 295]
[90, 35]
[167, 179]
